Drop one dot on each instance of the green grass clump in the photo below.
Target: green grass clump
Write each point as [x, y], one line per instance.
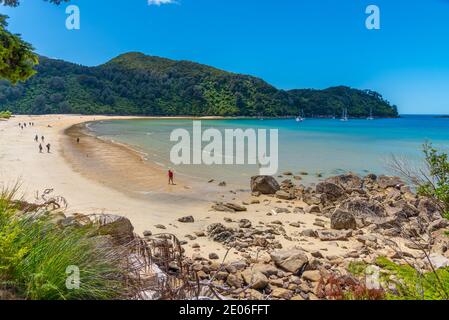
[35, 255]
[411, 285]
[5, 114]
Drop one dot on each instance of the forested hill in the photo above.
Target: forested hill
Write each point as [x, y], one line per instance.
[135, 84]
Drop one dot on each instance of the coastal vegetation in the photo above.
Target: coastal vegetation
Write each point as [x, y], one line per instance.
[136, 84]
[37, 250]
[5, 114]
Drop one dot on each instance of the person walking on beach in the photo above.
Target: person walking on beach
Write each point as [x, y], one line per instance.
[40, 148]
[48, 147]
[36, 138]
[171, 177]
[78, 140]
[43, 138]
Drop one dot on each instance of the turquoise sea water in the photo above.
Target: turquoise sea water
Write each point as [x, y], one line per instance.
[325, 146]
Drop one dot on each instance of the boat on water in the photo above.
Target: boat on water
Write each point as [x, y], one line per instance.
[370, 114]
[345, 115]
[301, 117]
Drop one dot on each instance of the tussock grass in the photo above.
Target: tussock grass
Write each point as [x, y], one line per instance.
[35, 254]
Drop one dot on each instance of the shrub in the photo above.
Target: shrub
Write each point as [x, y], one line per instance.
[437, 187]
[5, 114]
[409, 284]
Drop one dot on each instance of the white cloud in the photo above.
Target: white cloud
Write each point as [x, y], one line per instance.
[160, 2]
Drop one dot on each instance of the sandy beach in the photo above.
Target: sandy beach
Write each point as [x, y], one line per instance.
[96, 176]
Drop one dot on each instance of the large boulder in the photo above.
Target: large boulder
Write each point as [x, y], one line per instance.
[343, 220]
[331, 190]
[389, 182]
[118, 227]
[361, 207]
[256, 279]
[348, 181]
[264, 184]
[293, 261]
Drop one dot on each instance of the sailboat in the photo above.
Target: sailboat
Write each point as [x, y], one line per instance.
[345, 115]
[300, 117]
[370, 114]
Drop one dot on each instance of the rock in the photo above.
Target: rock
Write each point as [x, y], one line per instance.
[160, 226]
[199, 234]
[188, 219]
[331, 190]
[290, 260]
[389, 182]
[347, 181]
[235, 280]
[213, 256]
[264, 184]
[313, 276]
[317, 254]
[313, 209]
[222, 184]
[220, 233]
[236, 207]
[438, 225]
[343, 220]
[284, 195]
[334, 235]
[439, 261]
[245, 223]
[118, 227]
[57, 218]
[295, 225]
[257, 280]
[288, 173]
[147, 233]
[221, 208]
[361, 208]
[281, 210]
[267, 269]
[309, 233]
[281, 293]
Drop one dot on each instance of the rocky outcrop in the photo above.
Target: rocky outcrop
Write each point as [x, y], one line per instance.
[264, 185]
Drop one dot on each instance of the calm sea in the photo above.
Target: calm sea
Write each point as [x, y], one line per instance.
[319, 147]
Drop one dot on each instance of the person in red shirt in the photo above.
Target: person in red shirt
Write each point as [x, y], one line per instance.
[171, 176]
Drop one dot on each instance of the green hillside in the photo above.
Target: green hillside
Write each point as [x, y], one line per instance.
[136, 84]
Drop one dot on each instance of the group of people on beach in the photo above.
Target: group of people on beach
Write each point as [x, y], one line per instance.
[40, 140]
[41, 148]
[24, 125]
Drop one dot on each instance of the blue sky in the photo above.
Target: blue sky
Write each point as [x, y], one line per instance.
[289, 43]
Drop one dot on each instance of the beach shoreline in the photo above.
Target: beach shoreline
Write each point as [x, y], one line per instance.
[88, 194]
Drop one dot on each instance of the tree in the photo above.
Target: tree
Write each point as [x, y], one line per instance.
[17, 58]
